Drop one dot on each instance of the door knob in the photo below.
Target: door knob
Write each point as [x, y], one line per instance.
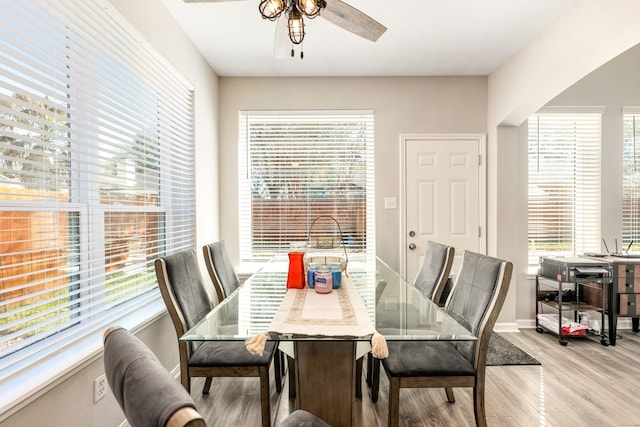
[412, 246]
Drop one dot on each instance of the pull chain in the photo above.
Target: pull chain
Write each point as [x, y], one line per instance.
[293, 52]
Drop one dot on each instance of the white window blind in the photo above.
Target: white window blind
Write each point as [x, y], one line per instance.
[96, 174]
[631, 179]
[564, 183]
[298, 165]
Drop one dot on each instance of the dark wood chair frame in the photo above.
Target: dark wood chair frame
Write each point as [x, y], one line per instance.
[436, 290]
[477, 381]
[187, 372]
[279, 365]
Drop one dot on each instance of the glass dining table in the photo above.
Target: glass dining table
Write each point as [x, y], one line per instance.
[325, 365]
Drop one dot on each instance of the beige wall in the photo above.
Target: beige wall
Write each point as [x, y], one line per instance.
[430, 104]
[591, 33]
[401, 105]
[613, 86]
[69, 402]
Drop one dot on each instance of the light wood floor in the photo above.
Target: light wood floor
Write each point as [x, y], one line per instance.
[582, 384]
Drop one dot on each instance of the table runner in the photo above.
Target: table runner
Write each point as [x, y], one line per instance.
[340, 313]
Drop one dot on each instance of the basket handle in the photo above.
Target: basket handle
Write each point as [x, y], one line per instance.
[339, 229]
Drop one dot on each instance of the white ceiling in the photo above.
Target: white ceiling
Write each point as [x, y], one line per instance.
[423, 37]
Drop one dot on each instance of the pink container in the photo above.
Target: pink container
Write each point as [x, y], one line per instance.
[322, 280]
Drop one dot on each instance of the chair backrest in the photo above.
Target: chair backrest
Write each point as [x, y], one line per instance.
[476, 300]
[434, 271]
[182, 290]
[219, 266]
[147, 393]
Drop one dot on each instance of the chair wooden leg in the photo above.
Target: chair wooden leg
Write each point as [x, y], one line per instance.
[450, 397]
[292, 377]
[207, 385]
[394, 401]
[265, 398]
[375, 379]
[369, 368]
[278, 371]
[185, 379]
[359, 377]
[478, 406]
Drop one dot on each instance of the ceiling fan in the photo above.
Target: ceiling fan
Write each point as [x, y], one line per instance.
[293, 12]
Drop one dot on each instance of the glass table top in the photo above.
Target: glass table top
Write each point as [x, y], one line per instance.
[397, 309]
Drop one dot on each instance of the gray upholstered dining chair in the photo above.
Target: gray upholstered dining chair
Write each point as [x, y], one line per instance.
[150, 396]
[187, 301]
[147, 393]
[431, 281]
[223, 275]
[225, 281]
[475, 302]
[434, 271]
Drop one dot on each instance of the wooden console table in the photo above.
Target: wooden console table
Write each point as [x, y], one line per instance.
[624, 294]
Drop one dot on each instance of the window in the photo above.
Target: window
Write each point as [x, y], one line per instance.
[296, 166]
[96, 181]
[564, 183]
[631, 179]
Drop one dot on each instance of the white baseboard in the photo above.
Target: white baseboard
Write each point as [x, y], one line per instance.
[526, 323]
[506, 327]
[624, 323]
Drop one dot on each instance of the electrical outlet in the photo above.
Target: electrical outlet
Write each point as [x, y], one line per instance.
[99, 388]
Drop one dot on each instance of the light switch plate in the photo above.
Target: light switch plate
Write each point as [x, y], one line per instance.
[390, 203]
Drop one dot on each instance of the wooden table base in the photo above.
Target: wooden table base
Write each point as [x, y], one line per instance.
[325, 380]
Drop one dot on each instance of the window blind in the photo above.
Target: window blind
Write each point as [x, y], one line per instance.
[564, 183]
[96, 174]
[631, 179]
[298, 165]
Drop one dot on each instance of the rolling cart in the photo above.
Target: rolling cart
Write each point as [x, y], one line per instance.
[561, 284]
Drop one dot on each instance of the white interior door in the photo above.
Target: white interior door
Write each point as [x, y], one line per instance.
[444, 196]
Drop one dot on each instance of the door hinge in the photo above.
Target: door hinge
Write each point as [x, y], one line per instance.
[479, 231]
[479, 159]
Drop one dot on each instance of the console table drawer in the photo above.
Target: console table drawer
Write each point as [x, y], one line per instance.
[628, 280]
[628, 304]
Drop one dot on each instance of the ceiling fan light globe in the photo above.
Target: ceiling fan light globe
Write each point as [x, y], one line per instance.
[295, 26]
[310, 8]
[271, 9]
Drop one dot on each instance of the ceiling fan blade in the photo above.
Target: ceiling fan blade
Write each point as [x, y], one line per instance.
[208, 1]
[281, 42]
[351, 19]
